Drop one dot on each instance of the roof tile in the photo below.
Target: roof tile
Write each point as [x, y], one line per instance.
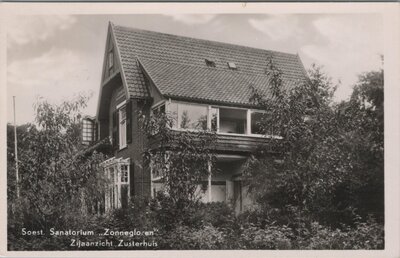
[177, 65]
[206, 84]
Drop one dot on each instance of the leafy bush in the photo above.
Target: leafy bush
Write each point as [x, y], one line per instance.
[210, 226]
[184, 237]
[366, 235]
[273, 237]
[217, 214]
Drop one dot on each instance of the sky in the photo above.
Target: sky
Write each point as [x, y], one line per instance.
[58, 57]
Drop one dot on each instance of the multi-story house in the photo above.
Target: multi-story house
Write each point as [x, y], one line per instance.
[145, 70]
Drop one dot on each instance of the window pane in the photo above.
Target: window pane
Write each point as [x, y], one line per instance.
[192, 116]
[232, 121]
[173, 113]
[87, 131]
[124, 173]
[261, 123]
[159, 110]
[112, 175]
[214, 117]
[256, 123]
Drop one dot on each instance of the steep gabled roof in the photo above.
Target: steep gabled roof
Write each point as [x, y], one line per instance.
[177, 66]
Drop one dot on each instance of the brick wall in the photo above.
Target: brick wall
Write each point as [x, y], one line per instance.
[134, 150]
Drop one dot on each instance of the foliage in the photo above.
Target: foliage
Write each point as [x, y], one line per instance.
[323, 150]
[366, 235]
[181, 158]
[363, 121]
[317, 186]
[55, 183]
[212, 226]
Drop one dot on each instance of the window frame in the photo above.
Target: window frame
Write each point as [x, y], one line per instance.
[112, 168]
[158, 105]
[207, 107]
[249, 111]
[122, 174]
[237, 108]
[88, 129]
[256, 111]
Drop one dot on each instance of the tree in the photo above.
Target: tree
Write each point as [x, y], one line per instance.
[313, 174]
[363, 120]
[56, 184]
[181, 158]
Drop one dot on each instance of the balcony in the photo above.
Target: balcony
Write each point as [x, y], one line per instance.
[228, 143]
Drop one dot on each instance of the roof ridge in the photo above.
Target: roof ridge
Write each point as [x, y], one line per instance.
[204, 40]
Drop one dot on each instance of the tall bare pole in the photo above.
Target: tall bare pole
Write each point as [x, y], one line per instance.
[16, 150]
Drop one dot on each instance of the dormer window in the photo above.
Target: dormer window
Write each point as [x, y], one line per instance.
[232, 65]
[210, 63]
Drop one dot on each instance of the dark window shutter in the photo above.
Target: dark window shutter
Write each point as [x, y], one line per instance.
[129, 121]
[95, 131]
[115, 130]
[131, 178]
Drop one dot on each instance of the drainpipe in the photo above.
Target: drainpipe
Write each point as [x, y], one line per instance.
[209, 182]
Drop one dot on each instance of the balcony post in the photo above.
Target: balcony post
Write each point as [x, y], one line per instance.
[248, 122]
[209, 118]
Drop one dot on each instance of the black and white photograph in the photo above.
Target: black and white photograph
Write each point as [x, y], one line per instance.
[198, 131]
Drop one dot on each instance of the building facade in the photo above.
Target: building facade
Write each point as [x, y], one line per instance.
[204, 84]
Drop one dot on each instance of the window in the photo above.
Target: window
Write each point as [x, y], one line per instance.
[122, 127]
[158, 110]
[261, 123]
[173, 113]
[88, 131]
[188, 116]
[118, 173]
[233, 121]
[124, 174]
[214, 119]
[226, 120]
[192, 117]
[112, 177]
[256, 123]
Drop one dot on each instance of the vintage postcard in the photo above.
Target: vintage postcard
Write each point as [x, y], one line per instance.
[196, 129]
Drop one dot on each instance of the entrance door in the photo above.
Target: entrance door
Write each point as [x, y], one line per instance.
[124, 196]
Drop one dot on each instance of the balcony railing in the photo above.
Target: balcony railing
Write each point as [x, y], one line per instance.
[226, 143]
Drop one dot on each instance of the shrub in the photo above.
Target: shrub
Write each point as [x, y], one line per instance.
[272, 237]
[218, 214]
[211, 226]
[184, 237]
[366, 235]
